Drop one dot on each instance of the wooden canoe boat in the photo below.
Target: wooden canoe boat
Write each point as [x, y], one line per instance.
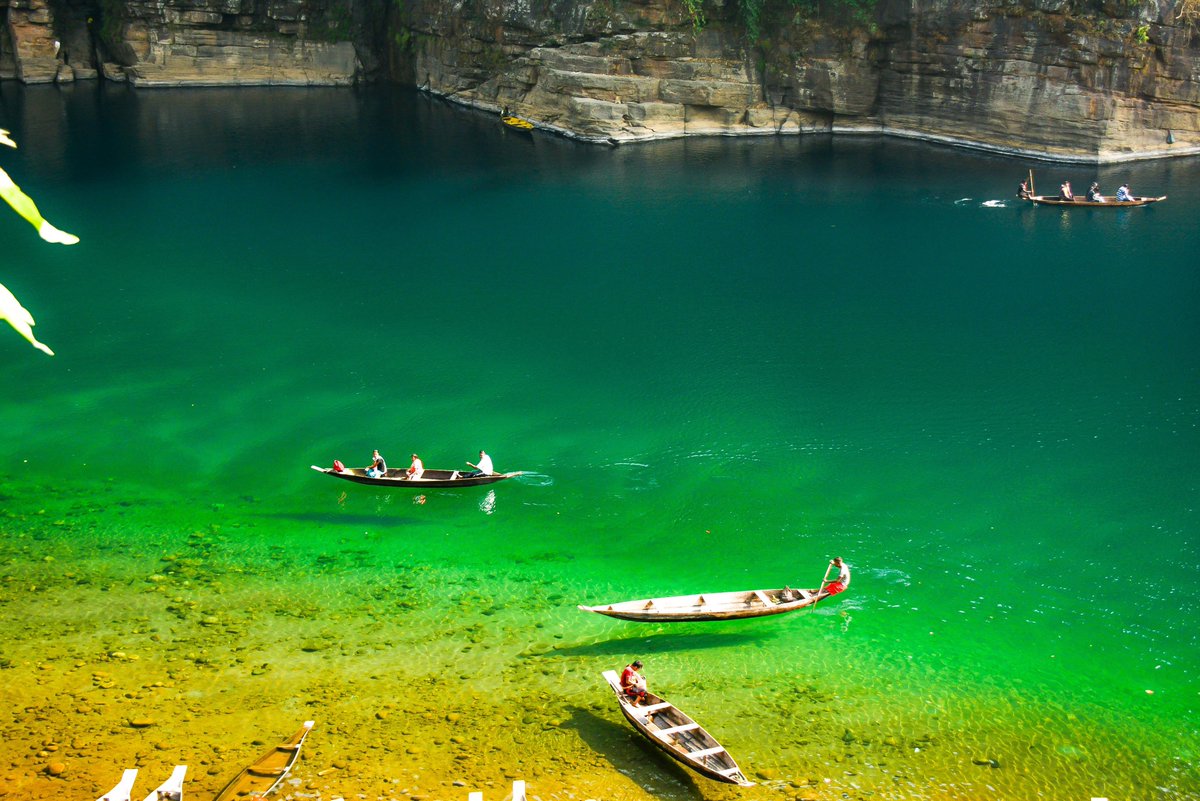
[516, 123]
[396, 477]
[269, 770]
[172, 788]
[710, 606]
[123, 789]
[677, 735]
[1083, 202]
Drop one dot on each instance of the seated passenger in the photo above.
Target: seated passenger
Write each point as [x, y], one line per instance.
[416, 469]
[1093, 194]
[1064, 191]
[1123, 194]
[633, 683]
[378, 466]
[484, 468]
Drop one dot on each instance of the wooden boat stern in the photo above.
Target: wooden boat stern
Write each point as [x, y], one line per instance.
[123, 789]
[172, 788]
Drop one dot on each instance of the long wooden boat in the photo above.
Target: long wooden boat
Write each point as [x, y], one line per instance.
[268, 770]
[123, 789]
[397, 477]
[678, 736]
[172, 788]
[1082, 202]
[710, 606]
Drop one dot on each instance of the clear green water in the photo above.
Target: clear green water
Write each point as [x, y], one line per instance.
[720, 362]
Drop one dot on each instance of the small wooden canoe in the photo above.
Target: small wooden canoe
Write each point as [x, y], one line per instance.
[172, 788]
[123, 789]
[1083, 202]
[677, 735]
[397, 477]
[516, 123]
[710, 606]
[269, 770]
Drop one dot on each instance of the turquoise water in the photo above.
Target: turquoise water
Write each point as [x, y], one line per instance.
[720, 363]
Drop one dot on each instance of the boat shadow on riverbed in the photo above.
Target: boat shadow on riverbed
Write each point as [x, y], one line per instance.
[632, 756]
[662, 642]
[335, 518]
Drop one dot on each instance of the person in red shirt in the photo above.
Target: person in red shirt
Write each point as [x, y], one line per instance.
[633, 683]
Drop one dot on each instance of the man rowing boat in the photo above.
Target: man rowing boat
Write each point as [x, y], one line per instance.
[842, 581]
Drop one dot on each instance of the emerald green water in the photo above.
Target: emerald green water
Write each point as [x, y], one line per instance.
[720, 363]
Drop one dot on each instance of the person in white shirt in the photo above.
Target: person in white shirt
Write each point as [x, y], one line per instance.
[842, 581]
[416, 468]
[484, 468]
[1123, 194]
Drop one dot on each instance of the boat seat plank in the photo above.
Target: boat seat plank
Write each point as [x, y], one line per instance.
[268, 772]
[676, 729]
[653, 707]
[706, 752]
[766, 601]
[729, 771]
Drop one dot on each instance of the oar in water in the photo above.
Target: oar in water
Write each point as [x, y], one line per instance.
[824, 581]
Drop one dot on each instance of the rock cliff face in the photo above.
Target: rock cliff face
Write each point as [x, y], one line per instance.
[179, 42]
[1041, 77]
[1091, 80]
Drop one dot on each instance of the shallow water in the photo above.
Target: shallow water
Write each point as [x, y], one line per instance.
[720, 362]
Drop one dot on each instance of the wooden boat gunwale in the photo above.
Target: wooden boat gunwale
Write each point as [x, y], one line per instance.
[431, 478]
[710, 606]
[712, 761]
[269, 769]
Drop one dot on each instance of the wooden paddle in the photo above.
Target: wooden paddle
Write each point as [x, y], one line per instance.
[824, 581]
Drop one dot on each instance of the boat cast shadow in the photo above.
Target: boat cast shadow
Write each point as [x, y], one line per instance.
[630, 754]
[379, 521]
[666, 642]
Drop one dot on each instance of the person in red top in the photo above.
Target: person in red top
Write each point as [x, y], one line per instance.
[842, 581]
[633, 683]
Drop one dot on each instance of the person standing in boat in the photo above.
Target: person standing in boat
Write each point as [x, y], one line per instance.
[840, 583]
[484, 468]
[1064, 191]
[378, 467]
[1123, 194]
[633, 683]
[416, 469]
[1093, 194]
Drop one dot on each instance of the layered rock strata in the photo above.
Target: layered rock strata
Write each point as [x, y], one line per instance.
[180, 43]
[1034, 78]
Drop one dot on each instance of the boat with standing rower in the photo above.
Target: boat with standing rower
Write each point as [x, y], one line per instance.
[430, 479]
[710, 606]
[1027, 192]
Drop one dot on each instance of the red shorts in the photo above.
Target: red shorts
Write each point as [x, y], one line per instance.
[834, 587]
